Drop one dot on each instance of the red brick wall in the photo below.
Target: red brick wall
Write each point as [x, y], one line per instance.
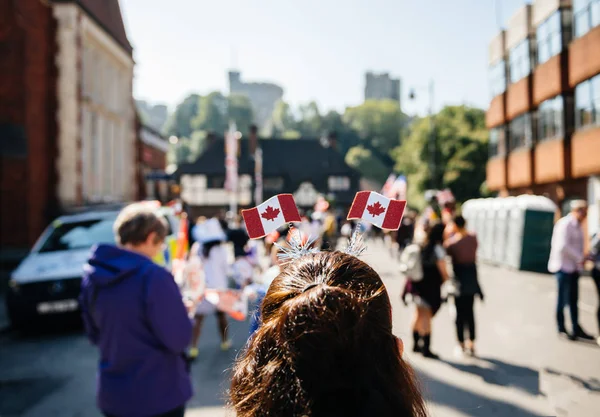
[153, 158]
[28, 99]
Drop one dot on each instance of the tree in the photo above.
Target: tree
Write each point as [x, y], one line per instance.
[367, 164]
[179, 123]
[332, 122]
[212, 114]
[377, 121]
[310, 123]
[460, 138]
[282, 119]
[240, 111]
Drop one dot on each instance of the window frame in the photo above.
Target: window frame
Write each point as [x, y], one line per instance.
[587, 12]
[497, 147]
[592, 85]
[215, 182]
[550, 118]
[517, 57]
[267, 183]
[498, 78]
[548, 32]
[338, 183]
[527, 140]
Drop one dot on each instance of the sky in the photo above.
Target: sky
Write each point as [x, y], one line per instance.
[315, 49]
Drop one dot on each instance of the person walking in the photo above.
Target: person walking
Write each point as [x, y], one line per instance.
[462, 249]
[426, 293]
[133, 311]
[595, 258]
[566, 262]
[214, 261]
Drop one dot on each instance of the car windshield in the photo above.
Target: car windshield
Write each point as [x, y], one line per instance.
[79, 235]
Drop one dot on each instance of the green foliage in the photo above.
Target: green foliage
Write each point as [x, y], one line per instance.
[460, 138]
[310, 123]
[363, 161]
[240, 111]
[378, 121]
[282, 119]
[212, 114]
[179, 124]
[291, 134]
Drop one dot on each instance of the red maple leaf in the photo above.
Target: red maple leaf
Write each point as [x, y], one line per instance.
[270, 213]
[375, 209]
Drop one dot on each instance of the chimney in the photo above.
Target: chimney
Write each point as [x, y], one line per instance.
[253, 139]
[210, 138]
[332, 137]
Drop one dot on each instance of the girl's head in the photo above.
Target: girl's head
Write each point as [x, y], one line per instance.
[325, 346]
[435, 234]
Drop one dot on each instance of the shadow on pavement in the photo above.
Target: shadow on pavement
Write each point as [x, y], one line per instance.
[211, 370]
[593, 384]
[17, 395]
[50, 328]
[504, 374]
[468, 402]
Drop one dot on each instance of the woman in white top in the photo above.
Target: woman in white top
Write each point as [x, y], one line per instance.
[214, 261]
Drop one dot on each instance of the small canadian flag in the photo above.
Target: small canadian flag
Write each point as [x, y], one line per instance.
[377, 209]
[270, 215]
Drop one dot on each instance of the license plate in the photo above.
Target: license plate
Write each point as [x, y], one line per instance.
[62, 306]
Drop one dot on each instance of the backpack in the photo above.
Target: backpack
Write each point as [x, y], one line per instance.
[410, 263]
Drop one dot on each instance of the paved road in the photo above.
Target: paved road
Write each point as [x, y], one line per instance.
[523, 369]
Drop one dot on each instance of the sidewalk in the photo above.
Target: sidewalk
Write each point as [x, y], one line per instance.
[523, 368]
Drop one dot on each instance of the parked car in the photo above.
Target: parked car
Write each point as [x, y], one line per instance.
[48, 280]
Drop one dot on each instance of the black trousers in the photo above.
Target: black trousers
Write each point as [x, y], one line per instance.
[178, 412]
[596, 277]
[465, 317]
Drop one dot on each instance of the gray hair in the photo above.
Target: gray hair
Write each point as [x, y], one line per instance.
[136, 222]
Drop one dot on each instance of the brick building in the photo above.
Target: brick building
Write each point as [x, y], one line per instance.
[544, 117]
[67, 118]
[152, 163]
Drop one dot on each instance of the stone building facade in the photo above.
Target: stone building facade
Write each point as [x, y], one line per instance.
[68, 135]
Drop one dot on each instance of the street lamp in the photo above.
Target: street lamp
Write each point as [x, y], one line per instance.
[431, 145]
[173, 140]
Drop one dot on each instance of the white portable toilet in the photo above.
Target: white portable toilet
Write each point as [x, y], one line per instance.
[489, 228]
[501, 229]
[531, 221]
[469, 213]
[479, 223]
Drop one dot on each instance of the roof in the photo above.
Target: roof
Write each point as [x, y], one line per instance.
[107, 13]
[300, 159]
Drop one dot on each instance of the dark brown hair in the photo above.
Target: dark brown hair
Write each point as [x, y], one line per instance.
[135, 223]
[459, 221]
[325, 347]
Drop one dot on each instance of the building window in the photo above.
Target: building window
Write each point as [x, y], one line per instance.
[521, 134]
[216, 182]
[273, 183]
[520, 61]
[550, 121]
[497, 141]
[586, 16]
[587, 103]
[339, 183]
[549, 42]
[498, 78]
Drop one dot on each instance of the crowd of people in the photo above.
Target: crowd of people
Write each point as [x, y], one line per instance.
[320, 338]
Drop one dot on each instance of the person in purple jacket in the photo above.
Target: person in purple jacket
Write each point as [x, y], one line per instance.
[133, 311]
